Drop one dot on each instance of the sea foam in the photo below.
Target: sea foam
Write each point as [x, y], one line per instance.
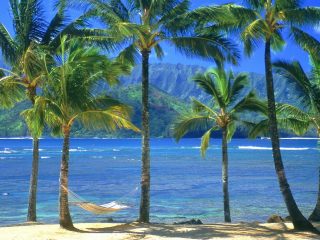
[269, 148]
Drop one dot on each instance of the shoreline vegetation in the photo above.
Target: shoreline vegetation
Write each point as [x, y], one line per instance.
[57, 68]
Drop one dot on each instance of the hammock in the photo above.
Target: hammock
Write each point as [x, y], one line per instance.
[94, 208]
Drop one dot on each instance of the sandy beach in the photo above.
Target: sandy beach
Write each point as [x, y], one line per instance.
[103, 231]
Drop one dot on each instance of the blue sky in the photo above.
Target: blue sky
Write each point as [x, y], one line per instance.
[253, 64]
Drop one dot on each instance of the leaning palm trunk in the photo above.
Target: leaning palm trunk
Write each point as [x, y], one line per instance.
[298, 220]
[32, 206]
[65, 217]
[225, 177]
[315, 215]
[145, 171]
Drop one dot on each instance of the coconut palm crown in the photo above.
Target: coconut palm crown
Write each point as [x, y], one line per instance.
[229, 98]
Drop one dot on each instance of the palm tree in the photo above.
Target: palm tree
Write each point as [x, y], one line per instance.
[309, 89]
[265, 21]
[30, 32]
[229, 98]
[69, 96]
[9, 92]
[26, 78]
[145, 24]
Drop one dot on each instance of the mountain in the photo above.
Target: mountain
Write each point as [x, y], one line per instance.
[176, 80]
[170, 92]
[11, 124]
[164, 109]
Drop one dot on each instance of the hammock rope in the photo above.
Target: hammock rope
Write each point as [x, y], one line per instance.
[94, 208]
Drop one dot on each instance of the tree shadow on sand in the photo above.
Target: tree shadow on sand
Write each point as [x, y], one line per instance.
[139, 231]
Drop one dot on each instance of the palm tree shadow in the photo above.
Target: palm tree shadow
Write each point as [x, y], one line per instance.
[139, 230]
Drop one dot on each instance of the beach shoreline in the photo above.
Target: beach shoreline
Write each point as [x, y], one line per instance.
[134, 230]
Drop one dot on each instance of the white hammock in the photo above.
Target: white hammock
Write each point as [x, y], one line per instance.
[94, 208]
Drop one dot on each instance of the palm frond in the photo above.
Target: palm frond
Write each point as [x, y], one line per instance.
[257, 4]
[289, 118]
[32, 22]
[294, 125]
[120, 9]
[302, 16]
[250, 103]
[253, 35]
[277, 41]
[213, 14]
[78, 29]
[199, 107]
[164, 7]
[241, 16]
[109, 119]
[291, 111]
[32, 64]
[239, 85]
[171, 14]
[44, 112]
[205, 141]
[7, 44]
[231, 129]
[293, 72]
[214, 47]
[259, 129]
[55, 25]
[307, 42]
[11, 91]
[33, 121]
[129, 55]
[14, 7]
[159, 52]
[207, 83]
[190, 122]
[287, 4]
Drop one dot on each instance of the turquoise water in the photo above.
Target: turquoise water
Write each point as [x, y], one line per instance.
[184, 185]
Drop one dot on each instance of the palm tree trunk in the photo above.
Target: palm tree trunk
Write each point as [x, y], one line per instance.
[65, 217]
[145, 171]
[225, 176]
[32, 206]
[315, 215]
[298, 220]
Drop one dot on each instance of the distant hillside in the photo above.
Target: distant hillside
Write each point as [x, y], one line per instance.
[170, 92]
[176, 80]
[164, 109]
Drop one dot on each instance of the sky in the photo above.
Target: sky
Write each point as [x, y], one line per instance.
[253, 64]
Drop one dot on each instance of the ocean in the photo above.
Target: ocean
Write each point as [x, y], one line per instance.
[183, 185]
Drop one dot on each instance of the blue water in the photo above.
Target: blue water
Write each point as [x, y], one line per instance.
[184, 185]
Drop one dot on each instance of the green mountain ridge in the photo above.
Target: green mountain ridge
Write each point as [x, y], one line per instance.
[170, 92]
[176, 80]
[161, 104]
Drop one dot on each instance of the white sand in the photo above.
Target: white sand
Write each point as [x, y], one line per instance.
[133, 231]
